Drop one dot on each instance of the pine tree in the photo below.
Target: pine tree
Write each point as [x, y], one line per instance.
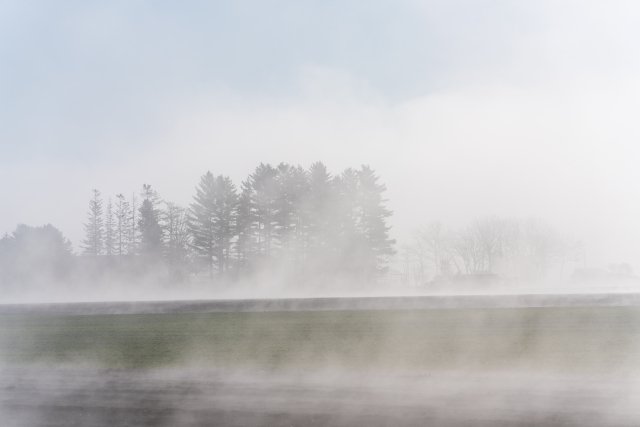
[318, 209]
[201, 223]
[213, 221]
[246, 230]
[299, 187]
[284, 204]
[93, 243]
[225, 225]
[372, 222]
[109, 230]
[122, 215]
[349, 240]
[149, 224]
[264, 185]
[132, 226]
[292, 186]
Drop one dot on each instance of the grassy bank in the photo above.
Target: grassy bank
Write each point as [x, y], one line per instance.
[599, 338]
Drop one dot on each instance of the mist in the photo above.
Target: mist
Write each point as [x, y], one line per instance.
[528, 92]
[322, 213]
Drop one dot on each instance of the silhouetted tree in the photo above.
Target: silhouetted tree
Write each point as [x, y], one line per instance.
[212, 221]
[34, 255]
[433, 244]
[93, 243]
[290, 225]
[246, 228]
[226, 203]
[285, 218]
[318, 209]
[347, 241]
[177, 239]
[202, 216]
[122, 215]
[265, 193]
[467, 249]
[489, 234]
[109, 230]
[372, 223]
[132, 240]
[149, 224]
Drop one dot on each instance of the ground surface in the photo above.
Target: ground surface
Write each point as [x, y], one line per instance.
[480, 362]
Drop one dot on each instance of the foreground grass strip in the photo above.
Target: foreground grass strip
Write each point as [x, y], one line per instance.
[545, 338]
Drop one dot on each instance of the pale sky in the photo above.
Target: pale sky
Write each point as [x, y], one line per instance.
[465, 108]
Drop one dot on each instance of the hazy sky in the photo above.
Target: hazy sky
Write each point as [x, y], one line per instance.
[465, 108]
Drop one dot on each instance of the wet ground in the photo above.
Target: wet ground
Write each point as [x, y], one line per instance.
[99, 397]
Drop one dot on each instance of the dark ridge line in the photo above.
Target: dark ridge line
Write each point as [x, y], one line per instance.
[327, 304]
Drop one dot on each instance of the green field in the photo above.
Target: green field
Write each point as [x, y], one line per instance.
[599, 338]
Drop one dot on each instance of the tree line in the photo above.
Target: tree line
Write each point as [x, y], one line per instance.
[512, 248]
[304, 222]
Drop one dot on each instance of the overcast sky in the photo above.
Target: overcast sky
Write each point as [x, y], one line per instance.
[465, 108]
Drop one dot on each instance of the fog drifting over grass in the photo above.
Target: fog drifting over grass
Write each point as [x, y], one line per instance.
[465, 109]
[476, 115]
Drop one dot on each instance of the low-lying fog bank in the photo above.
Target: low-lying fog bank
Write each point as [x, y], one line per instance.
[273, 289]
[329, 362]
[37, 397]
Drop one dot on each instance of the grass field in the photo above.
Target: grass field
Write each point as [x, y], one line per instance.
[554, 338]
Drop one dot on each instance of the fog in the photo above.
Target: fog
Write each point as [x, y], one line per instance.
[544, 94]
[331, 362]
[321, 213]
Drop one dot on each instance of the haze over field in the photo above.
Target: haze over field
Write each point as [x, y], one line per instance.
[325, 213]
[465, 109]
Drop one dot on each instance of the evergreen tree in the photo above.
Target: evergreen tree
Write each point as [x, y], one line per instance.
[285, 215]
[349, 241]
[290, 224]
[122, 215]
[284, 204]
[109, 230]
[318, 209]
[246, 230]
[132, 226]
[201, 220]
[372, 222]
[93, 242]
[149, 224]
[265, 193]
[226, 203]
[300, 189]
[212, 221]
